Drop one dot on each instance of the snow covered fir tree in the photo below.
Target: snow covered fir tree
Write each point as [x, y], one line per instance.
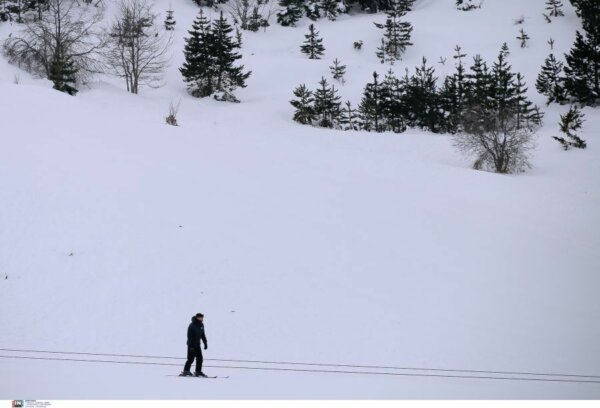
[466, 5]
[170, 20]
[554, 8]
[326, 105]
[582, 68]
[550, 81]
[396, 37]
[19, 11]
[290, 12]
[338, 70]
[210, 55]
[63, 74]
[331, 9]
[570, 123]
[304, 104]
[313, 45]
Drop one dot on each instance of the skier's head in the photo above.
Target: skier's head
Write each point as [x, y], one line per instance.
[199, 317]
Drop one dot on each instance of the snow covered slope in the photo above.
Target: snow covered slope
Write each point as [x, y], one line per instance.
[297, 243]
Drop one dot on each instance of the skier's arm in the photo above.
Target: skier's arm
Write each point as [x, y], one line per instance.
[204, 340]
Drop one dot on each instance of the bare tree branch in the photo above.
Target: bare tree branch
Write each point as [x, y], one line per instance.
[64, 29]
[498, 141]
[138, 50]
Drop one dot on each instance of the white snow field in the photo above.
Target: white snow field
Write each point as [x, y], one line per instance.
[298, 244]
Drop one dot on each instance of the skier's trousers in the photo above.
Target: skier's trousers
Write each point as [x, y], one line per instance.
[194, 353]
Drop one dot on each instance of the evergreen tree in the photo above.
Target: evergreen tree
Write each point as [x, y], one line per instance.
[312, 9]
[305, 112]
[582, 71]
[405, 5]
[63, 74]
[210, 54]
[467, 5]
[256, 21]
[338, 71]
[223, 47]
[291, 11]
[333, 8]
[169, 20]
[374, 6]
[589, 11]
[527, 114]
[327, 105]
[480, 90]
[16, 10]
[554, 8]
[422, 99]
[197, 70]
[449, 105]
[313, 45]
[380, 52]
[396, 37]
[209, 3]
[570, 123]
[392, 97]
[503, 84]
[549, 81]
[454, 94]
[523, 37]
[349, 117]
[479, 83]
[371, 107]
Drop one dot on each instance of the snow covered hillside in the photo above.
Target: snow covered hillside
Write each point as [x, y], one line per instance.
[298, 244]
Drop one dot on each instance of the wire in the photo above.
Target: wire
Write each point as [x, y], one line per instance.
[310, 370]
[312, 364]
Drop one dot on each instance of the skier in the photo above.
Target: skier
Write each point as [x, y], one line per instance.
[195, 333]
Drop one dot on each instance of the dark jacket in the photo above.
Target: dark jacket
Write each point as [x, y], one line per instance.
[195, 333]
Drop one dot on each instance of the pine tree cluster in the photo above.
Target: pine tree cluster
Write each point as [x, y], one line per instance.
[578, 80]
[210, 54]
[417, 100]
[293, 10]
[209, 3]
[321, 107]
[19, 10]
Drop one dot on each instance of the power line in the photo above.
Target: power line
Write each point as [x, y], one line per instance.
[312, 364]
[311, 370]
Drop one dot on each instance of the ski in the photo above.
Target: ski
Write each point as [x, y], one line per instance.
[193, 376]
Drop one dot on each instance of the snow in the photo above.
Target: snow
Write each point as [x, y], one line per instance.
[297, 243]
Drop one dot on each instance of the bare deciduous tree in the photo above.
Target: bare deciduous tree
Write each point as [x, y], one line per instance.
[498, 141]
[251, 14]
[138, 48]
[65, 30]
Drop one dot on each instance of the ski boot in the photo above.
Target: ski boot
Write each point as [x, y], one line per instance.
[185, 374]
